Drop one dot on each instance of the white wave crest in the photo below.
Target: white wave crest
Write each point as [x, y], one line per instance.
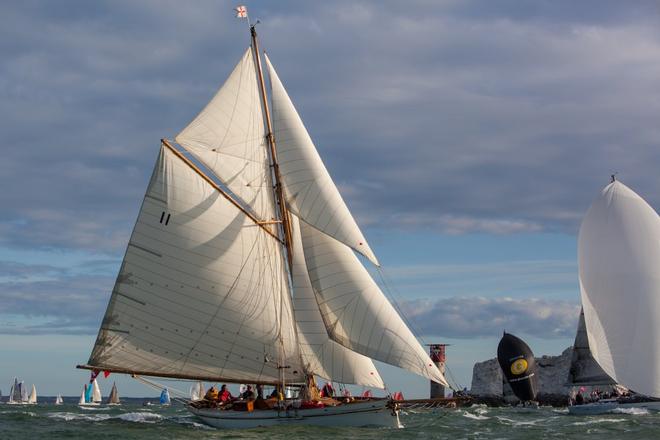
[599, 420]
[474, 416]
[140, 417]
[632, 411]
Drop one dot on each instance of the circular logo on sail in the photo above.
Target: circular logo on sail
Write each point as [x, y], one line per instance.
[519, 366]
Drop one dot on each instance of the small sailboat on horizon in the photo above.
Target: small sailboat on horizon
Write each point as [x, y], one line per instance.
[91, 395]
[18, 393]
[59, 400]
[165, 397]
[113, 398]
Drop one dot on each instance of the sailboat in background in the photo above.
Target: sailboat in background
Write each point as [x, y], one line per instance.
[59, 400]
[196, 391]
[250, 276]
[91, 395]
[32, 399]
[618, 259]
[165, 397]
[18, 393]
[113, 398]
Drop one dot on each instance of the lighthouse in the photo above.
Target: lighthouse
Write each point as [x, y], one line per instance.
[437, 353]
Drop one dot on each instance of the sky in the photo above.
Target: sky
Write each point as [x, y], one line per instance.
[468, 138]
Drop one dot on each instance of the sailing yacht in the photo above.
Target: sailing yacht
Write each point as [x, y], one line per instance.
[242, 268]
[113, 398]
[32, 398]
[618, 259]
[91, 395]
[165, 397]
[18, 393]
[59, 400]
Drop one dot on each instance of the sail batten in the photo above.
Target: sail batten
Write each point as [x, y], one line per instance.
[207, 299]
[308, 188]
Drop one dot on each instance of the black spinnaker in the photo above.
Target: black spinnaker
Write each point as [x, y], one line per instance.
[519, 367]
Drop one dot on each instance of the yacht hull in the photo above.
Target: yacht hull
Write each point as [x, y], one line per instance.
[370, 413]
[596, 408]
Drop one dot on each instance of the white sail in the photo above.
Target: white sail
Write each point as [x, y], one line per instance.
[355, 312]
[96, 392]
[82, 396]
[24, 391]
[33, 395]
[59, 400]
[200, 390]
[229, 137]
[201, 292]
[308, 187]
[15, 392]
[619, 261]
[321, 355]
[113, 398]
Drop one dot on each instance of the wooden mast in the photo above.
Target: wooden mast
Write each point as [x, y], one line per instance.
[270, 137]
[279, 195]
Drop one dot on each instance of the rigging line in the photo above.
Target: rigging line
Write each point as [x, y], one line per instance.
[397, 307]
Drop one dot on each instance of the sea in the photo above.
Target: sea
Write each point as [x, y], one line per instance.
[133, 420]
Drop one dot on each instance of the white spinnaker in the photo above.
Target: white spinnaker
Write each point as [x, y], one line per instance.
[228, 137]
[200, 290]
[321, 355]
[619, 269]
[355, 312]
[308, 187]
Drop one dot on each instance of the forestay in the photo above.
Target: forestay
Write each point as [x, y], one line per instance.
[200, 291]
[321, 355]
[355, 312]
[228, 137]
[308, 187]
[619, 257]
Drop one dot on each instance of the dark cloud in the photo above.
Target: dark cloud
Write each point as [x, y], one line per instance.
[474, 317]
[457, 117]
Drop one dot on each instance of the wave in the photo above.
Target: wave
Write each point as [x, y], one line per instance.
[136, 417]
[632, 411]
[474, 416]
[598, 420]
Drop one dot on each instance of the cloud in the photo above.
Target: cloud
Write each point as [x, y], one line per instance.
[42, 299]
[474, 317]
[462, 117]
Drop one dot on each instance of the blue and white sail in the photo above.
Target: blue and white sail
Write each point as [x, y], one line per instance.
[165, 397]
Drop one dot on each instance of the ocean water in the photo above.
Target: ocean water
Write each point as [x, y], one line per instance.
[132, 420]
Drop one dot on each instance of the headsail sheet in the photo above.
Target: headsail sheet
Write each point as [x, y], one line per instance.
[321, 355]
[584, 369]
[619, 257]
[228, 137]
[200, 291]
[355, 312]
[308, 187]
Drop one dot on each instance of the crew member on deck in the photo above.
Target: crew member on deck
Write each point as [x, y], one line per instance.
[225, 396]
[212, 394]
[248, 394]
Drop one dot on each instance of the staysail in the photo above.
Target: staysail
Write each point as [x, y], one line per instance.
[355, 312]
[584, 369]
[619, 257]
[308, 187]
[321, 355]
[201, 292]
[228, 136]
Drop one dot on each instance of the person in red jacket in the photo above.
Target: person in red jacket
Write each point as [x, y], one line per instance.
[224, 396]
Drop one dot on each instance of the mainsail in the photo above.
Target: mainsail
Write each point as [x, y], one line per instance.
[309, 189]
[619, 257]
[584, 369]
[201, 292]
[33, 395]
